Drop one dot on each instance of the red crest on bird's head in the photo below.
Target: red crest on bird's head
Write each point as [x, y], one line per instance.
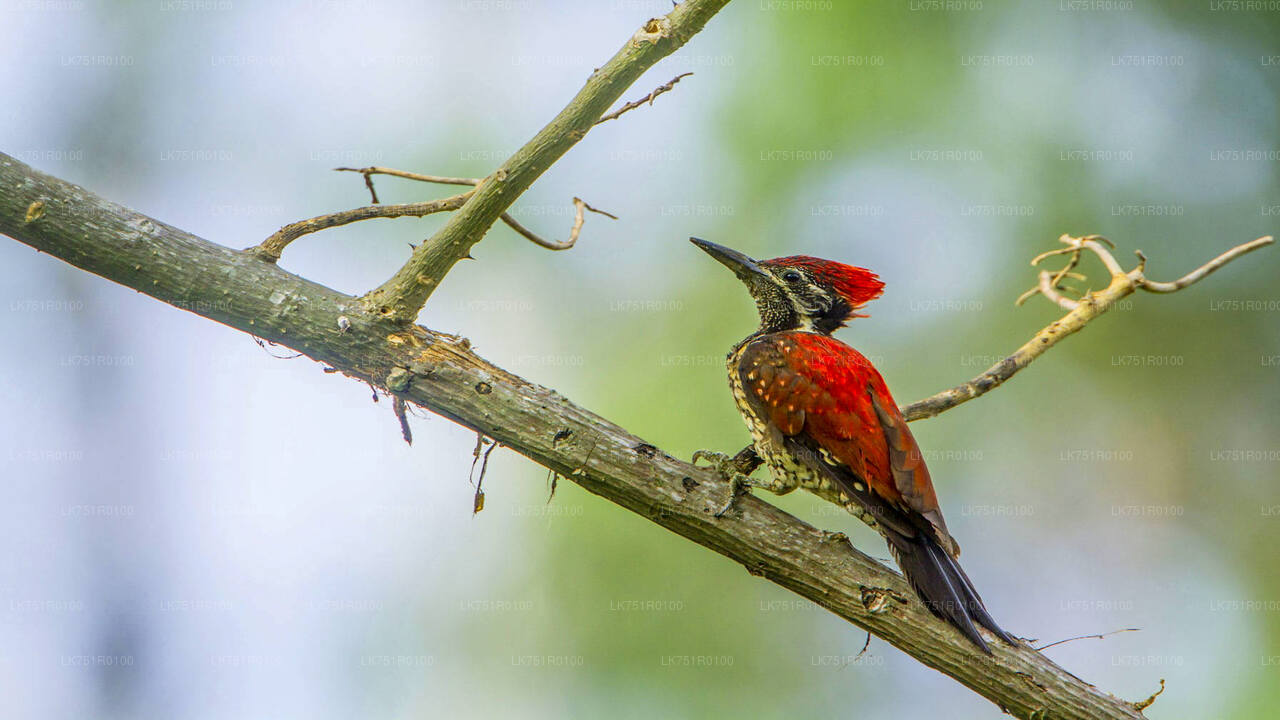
[857, 286]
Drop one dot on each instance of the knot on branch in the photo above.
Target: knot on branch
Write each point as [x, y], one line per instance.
[653, 31]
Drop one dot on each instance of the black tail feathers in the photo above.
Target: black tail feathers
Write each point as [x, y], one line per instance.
[943, 586]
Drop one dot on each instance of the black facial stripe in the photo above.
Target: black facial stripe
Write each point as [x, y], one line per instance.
[835, 316]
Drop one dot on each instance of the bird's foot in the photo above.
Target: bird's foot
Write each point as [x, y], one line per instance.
[730, 467]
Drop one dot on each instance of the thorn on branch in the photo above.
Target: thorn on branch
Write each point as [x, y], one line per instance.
[646, 99]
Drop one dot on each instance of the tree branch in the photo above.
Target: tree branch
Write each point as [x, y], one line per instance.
[579, 204]
[1081, 311]
[647, 99]
[369, 172]
[578, 218]
[402, 297]
[271, 248]
[439, 372]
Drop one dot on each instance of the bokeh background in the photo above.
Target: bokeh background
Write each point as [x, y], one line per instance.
[195, 528]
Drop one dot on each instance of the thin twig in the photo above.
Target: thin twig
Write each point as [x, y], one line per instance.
[271, 248]
[578, 217]
[506, 217]
[1049, 288]
[1081, 311]
[439, 179]
[1098, 636]
[1206, 269]
[646, 99]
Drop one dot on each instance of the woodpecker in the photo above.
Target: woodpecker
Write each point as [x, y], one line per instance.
[822, 419]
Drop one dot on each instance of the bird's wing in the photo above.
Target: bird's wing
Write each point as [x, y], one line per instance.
[830, 402]
[837, 417]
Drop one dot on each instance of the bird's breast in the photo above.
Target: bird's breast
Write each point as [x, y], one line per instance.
[788, 471]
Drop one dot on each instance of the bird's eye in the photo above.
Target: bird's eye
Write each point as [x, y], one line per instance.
[792, 276]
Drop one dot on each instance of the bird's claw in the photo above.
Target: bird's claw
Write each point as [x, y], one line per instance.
[726, 467]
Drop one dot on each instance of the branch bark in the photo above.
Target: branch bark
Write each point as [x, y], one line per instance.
[402, 297]
[439, 372]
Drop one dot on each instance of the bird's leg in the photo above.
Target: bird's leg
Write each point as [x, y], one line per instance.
[737, 470]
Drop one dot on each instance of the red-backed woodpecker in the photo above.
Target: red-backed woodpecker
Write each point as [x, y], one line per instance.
[822, 419]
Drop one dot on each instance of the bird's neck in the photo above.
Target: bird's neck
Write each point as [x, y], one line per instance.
[766, 329]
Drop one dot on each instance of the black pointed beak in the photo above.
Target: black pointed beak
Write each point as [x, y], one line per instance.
[744, 267]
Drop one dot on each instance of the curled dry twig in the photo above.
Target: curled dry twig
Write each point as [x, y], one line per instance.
[1080, 312]
[578, 218]
[1144, 704]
